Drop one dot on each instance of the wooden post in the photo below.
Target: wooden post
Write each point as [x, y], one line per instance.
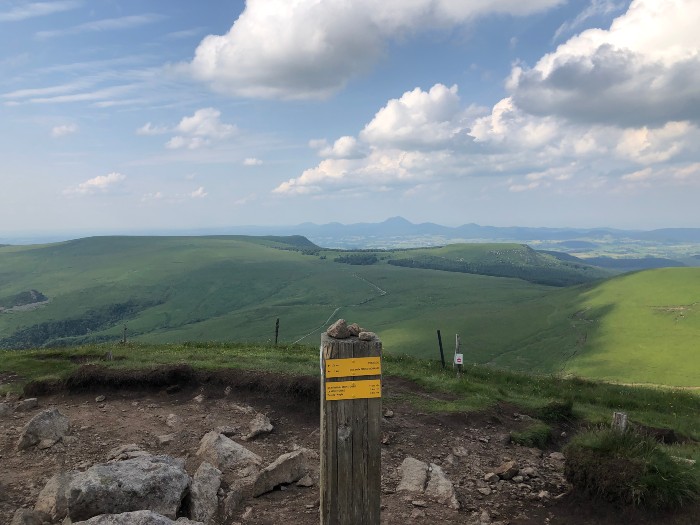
[351, 407]
[459, 358]
[277, 330]
[124, 336]
[619, 421]
[442, 354]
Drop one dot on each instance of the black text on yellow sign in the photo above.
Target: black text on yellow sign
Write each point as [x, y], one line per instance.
[366, 389]
[354, 366]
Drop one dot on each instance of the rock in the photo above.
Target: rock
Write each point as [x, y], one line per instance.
[491, 477]
[287, 468]
[529, 472]
[543, 495]
[124, 452]
[518, 479]
[388, 413]
[140, 517]
[29, 517]
[414, 474]
[203, 493]
[199, 398]
[419, 503]
[46, 443]
[485, 491]
[306, 481]
[440, 488]
[258, 426]
[5, 409]
[99, 399]
[355, 329]
[49, 424]
[460, 452]
[227, 430]
[557, 456]
[27, 404]
[224, 453]
[156, 483]
[53, 499]
[172, 421]
[417, 514]
[367, 336]
[507, 470]
[484, 517]
[166, 439]
[339, 330]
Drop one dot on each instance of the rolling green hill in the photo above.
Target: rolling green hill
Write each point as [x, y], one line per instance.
[633, 328]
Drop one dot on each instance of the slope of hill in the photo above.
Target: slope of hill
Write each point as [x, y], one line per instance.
[174, 289]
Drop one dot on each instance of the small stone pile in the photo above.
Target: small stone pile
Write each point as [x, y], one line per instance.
[341, 330]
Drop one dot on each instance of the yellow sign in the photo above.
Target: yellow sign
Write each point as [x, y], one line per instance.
[354, 366]
[369, 388]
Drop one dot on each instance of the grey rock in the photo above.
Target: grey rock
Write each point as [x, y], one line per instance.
[485, 491]
[339, 330]
[5, 409]
[259, 425]
[440, 488]
[53, 499]
[491, 477]
[27, 404]
[203, 493]
[49, 424]
[367, 336]
[140, 517]
[166, 439]
[124, 452]
[227, 430]
[156, 483]
[199, 398]
[507, 470]
[99, 399]
[28, 517]
[172, 421]
[414, 474]
[518, 479]
[224, 453]
[287, 468]
[557, 456]
[355, 329]
[306, 481]
[529, 472]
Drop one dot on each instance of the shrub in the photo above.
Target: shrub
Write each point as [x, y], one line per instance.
[536, 434]
[557, 412]
[629, 469]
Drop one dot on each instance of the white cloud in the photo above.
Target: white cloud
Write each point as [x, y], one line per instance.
[643, 71]
[346, 147]
[150, 129]
[107, 24]
[201, 129]
[63, 130]
[156, 196]
[425, 137]
[35, 9]
[595, 8]
[199, 193]
[99, 184]
[252, 161]
[310, 49]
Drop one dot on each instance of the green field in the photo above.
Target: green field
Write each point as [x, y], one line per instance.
[636, 328]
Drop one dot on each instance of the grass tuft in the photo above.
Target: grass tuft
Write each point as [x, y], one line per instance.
[629, 469]
[537, 434]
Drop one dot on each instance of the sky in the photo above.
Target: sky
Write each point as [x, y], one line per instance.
[135, 115]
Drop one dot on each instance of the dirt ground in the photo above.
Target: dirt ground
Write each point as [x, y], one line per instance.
[466, 446]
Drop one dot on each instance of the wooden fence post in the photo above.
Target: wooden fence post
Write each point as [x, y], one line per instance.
[277, 330]
[619, 421]
[442, 354]
[351, 408]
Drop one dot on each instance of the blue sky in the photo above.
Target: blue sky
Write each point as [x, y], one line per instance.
[120, 116]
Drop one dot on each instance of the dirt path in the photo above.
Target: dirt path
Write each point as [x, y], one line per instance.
[466, 446]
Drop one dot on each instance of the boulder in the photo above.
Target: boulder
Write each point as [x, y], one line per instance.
[157, 483]
[27, 404]
[139, 517]
[259, 425]
[53, 499]
[287, 468]
[355, 329]
[5, 409]
[203, 493]
[440, 488]
[507, 470]
[224, 453]
[29, 517]
[48, 425]
[414, 474]
[367, 336]
[339, 330]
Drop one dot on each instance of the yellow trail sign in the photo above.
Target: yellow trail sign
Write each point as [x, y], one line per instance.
[354, 366]
[366, 389]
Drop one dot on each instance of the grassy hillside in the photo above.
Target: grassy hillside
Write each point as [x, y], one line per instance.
[170, 290]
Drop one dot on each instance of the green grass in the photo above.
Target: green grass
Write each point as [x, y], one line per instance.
[234, 288]
[629, 469]
[537, 434]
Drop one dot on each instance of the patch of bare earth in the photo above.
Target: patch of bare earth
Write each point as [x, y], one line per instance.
[465, 446]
